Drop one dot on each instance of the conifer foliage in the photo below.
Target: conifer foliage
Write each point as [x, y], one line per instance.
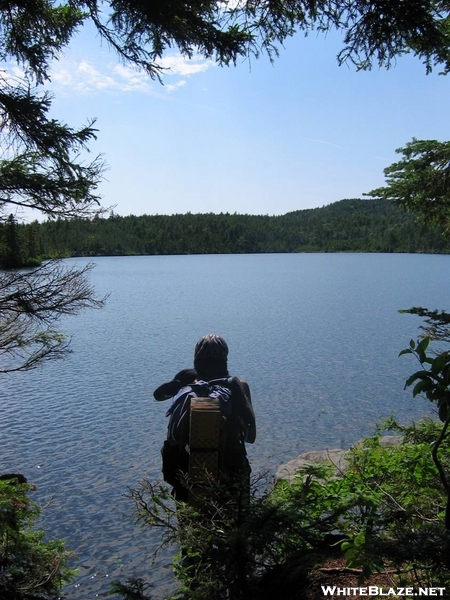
[31, 567]
[40, 169]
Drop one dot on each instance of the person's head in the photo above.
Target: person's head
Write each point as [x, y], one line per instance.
[211, 357]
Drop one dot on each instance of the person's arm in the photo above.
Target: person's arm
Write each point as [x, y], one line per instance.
[247, 411]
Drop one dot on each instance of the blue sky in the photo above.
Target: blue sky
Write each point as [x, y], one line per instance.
[258, 138]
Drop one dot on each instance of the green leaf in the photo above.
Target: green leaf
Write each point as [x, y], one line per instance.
[417, 375]
[421, 348]
[346, 546]
[423, 386]
[360, 539]
[423, 344]
[439, 363]
[405, 351]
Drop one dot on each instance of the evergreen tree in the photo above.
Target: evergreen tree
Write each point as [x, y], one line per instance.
[31, 567]
[421, 181]
[349, 225]
[10, 257]
[39, 169]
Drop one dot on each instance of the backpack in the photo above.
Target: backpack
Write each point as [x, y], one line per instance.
[226, 399]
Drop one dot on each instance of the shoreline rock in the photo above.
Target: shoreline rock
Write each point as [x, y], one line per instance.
[336, 457]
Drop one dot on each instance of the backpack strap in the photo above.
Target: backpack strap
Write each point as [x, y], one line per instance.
[179, 415]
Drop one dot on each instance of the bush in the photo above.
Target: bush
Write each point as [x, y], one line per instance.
[385, 512]
[30, 567]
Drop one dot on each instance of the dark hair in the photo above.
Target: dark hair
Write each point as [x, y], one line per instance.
[211, 357]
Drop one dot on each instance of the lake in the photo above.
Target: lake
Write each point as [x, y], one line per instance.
[316, 336]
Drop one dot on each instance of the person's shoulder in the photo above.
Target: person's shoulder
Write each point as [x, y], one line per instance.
[245, 386]
[234, 380]
[236, 384]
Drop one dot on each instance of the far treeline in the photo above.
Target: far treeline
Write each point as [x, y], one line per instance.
[346, 226]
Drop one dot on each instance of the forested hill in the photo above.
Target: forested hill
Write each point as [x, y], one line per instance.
[345, 226]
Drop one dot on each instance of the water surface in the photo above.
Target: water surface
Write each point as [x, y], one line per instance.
[316, 336]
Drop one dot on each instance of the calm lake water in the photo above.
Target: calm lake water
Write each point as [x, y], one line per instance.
[316, 336]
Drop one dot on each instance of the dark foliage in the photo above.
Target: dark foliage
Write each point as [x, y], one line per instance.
[345, 226]
[381, 514]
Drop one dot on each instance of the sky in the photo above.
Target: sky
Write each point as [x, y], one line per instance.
[257, 138]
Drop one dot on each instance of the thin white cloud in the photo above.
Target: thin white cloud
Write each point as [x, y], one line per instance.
[11, 74]
[176, 64]
[173, 87]
[85, 77]
[132, 80]
[89, 76]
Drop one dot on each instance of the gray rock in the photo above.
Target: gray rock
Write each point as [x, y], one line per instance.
[336, 457]
[391, 440]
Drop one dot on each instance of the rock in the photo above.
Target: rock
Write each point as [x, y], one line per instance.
[335, 457]
[390, 440]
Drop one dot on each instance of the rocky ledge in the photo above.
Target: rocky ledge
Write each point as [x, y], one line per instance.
[337, 457]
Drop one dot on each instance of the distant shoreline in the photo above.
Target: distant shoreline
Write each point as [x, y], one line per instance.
[362, 226]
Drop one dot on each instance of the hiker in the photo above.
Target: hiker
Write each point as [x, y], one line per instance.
[209, 377]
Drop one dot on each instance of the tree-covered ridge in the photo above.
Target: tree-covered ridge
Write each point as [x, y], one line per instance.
[345, 226]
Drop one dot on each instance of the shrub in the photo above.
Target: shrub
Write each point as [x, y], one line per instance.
[384, 512]
[30, 567]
